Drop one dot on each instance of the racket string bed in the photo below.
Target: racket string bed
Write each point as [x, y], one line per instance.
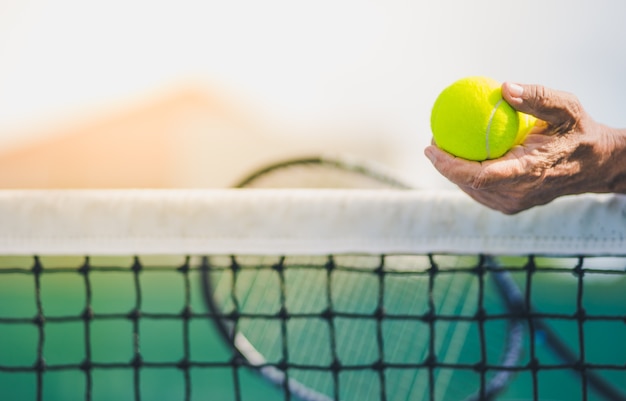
[493, 377]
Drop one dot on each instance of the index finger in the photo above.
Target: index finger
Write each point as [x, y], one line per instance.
[561, 110]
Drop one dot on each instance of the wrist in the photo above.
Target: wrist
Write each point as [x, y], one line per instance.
[613, 168]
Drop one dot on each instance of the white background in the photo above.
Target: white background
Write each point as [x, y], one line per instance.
[377, 64]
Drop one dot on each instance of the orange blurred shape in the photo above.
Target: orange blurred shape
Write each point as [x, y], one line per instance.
[181, 139]
[184, 138]
[136, 147]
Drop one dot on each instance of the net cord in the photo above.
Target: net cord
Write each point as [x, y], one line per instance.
[292, 222]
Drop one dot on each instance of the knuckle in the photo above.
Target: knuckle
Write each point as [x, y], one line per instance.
[569, 112]
[563, 108]
[539, 96]
[573, 113]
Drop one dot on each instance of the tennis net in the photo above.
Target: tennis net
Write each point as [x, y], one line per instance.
[309, 295]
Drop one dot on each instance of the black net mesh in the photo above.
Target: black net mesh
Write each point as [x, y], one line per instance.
[343, 327]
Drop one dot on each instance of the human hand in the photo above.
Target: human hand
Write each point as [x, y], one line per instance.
[566, 153]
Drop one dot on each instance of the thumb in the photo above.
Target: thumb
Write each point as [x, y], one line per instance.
[561, 110]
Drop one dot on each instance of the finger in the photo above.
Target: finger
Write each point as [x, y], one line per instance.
[561, 110]
[460, 171]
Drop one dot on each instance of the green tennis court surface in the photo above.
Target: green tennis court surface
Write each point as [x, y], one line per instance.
[164, 295]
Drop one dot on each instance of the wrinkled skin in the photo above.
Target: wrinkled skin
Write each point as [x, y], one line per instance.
[566, 153]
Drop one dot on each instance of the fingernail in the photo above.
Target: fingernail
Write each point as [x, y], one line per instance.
[516, 90]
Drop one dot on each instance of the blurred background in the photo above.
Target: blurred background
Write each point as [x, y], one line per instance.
[182, 94]
[189, 94]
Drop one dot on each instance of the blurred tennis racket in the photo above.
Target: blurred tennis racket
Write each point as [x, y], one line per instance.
[323, 172]
[334, 329]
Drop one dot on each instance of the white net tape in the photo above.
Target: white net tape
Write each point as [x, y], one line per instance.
[291, 222]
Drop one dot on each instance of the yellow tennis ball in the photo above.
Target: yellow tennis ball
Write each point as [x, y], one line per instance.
[526, 123]
[470, 119]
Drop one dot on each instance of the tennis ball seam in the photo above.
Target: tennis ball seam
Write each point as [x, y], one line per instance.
[488, 130]
[471, 119]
